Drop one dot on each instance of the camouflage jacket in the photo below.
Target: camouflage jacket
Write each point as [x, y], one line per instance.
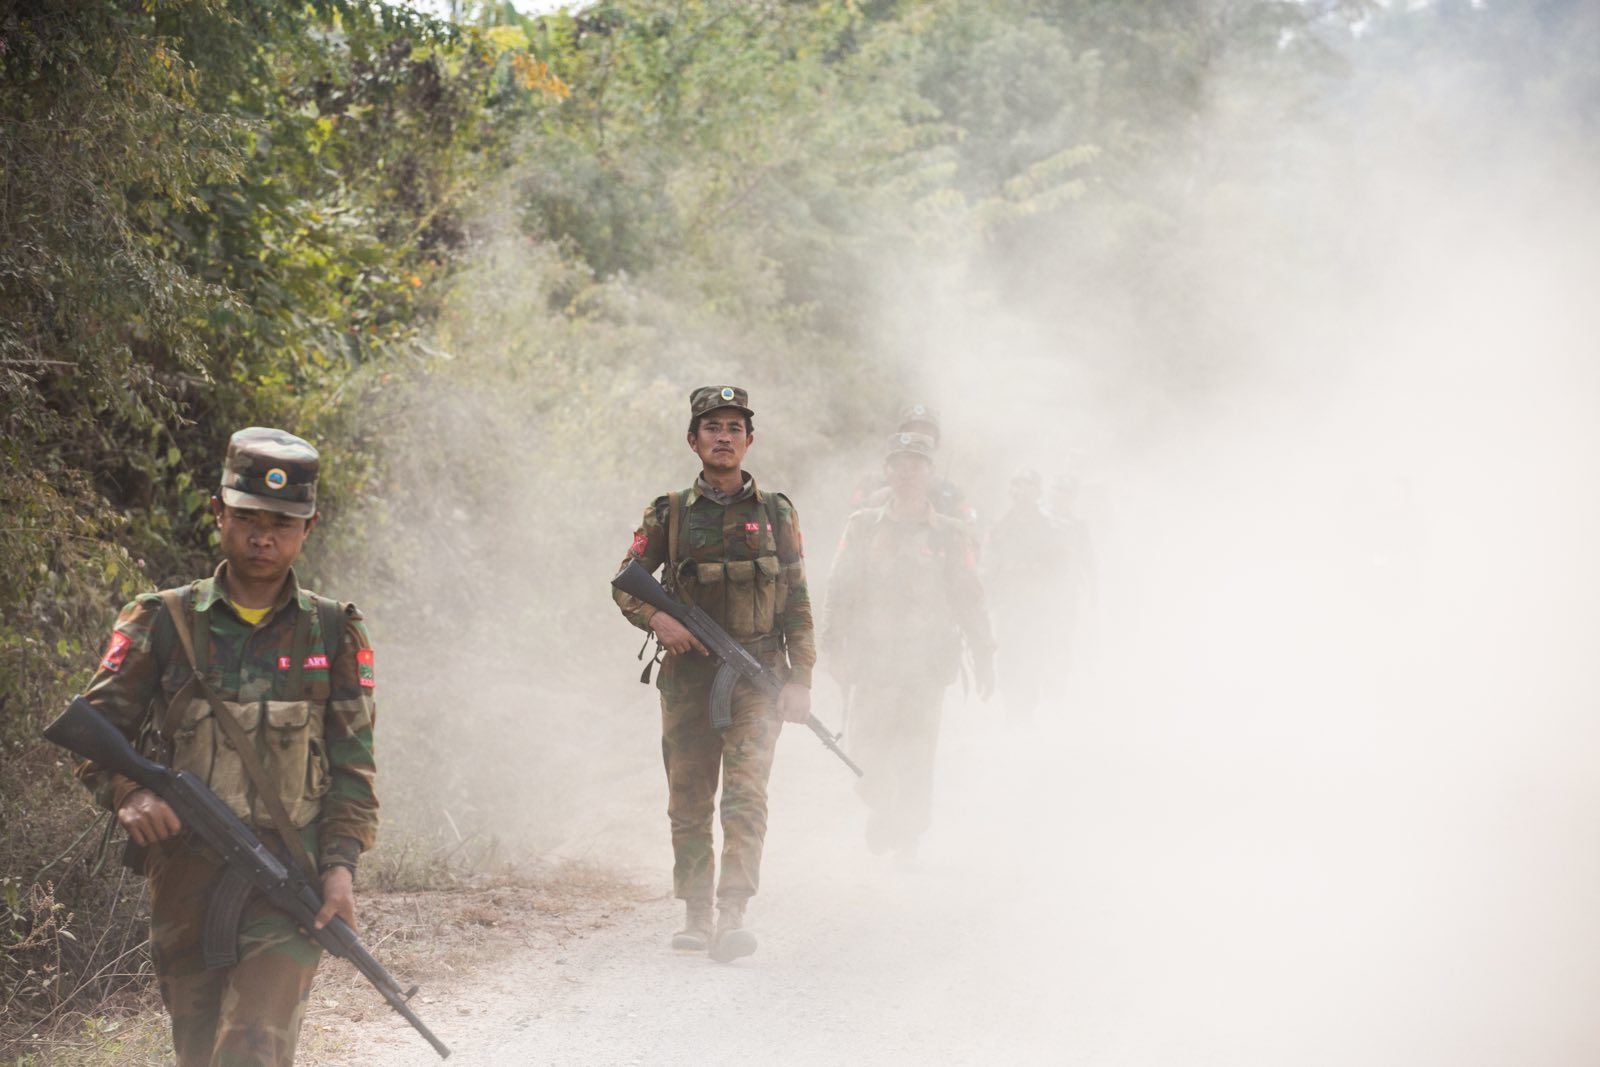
[317, 741]
[743, 562]
[902, 598]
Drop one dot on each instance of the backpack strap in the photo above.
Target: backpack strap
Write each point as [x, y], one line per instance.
[174, 601]
[201, 624]
[674, 527]
[770, 505]
[299, 645]
[330, 616]
[241, 742]
[674, 521]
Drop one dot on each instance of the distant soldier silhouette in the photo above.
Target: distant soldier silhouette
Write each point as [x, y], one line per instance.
[1027, 560]
[946, 497]
[903, 601]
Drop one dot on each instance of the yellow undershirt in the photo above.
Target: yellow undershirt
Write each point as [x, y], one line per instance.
[253, 616]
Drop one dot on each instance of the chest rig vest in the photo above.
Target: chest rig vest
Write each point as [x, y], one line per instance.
[282, 729]
[726, 560]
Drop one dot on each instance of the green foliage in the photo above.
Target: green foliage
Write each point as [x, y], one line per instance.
[211, 216]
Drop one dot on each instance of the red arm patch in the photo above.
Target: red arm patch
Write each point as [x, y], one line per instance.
[364, 668]
[641, 541]
[116, 651]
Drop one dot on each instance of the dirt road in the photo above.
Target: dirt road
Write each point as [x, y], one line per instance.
[861, 959]
[1166, 885]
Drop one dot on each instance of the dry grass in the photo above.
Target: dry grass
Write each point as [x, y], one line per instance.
[74, 967]
[432, 938]
[440, 939]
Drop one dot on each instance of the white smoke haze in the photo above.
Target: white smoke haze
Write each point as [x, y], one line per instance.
[1316, 786]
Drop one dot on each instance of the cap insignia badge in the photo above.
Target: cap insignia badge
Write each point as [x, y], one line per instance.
[905, 439]
[727, 393]
[276, 478]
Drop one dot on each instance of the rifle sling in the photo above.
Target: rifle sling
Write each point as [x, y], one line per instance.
[241, 743]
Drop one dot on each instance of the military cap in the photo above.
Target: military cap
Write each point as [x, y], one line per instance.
[917, 443]
[919, 415]
[270, 470]
[711, 397]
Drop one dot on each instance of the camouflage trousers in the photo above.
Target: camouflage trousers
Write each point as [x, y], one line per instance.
[894, 734]
[695, 755]
[247, 1014]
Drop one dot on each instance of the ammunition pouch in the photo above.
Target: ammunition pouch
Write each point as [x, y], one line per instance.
[287, 737]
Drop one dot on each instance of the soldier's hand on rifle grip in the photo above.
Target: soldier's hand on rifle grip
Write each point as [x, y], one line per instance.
[674, 636]
[338, 897]
[794, 703]
[148, 818]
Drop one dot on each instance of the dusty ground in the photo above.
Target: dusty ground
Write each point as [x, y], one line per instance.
[447, 941]
[861, 960]
[1163, 883]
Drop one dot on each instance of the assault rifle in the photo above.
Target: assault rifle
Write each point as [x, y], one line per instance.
[736, 660]
[249, 866]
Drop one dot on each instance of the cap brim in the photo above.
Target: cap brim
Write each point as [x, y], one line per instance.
[727, 407]
[298, 509]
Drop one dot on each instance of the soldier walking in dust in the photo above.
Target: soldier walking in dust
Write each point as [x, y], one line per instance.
[945, 496]
[903, 599]
[294, 673]
[1028, 560]
[735, 550]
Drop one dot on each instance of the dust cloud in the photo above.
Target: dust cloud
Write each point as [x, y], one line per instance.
[1312, 782]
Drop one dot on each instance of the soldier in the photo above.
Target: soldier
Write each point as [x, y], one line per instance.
[1026, 563]
[736, 551]
[946, 497]
[903, 598]
[294, 672]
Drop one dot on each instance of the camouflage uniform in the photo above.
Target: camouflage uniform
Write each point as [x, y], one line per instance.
[741, 560]
[903, 597]
[314, 731]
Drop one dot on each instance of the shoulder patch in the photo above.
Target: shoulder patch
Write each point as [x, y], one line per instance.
[116, 651]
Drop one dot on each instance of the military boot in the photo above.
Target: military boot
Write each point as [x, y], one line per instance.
[732, 940]
[696, 932]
